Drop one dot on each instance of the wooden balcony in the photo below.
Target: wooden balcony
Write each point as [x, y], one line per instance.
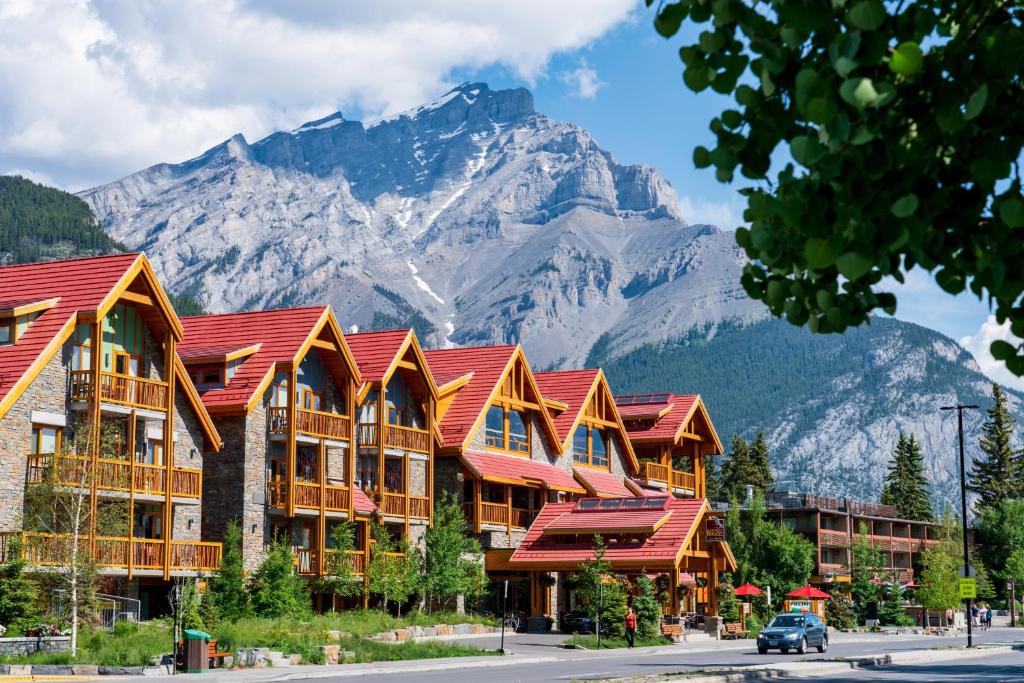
[127, 390]
[112, 552]
[316, 423]
[419, 507]
[307, 495]
[393, 505]
[684, 480]
[499, 514]
[306, 561]
[833, 538]
[113, 474]
[653, 472]
[834, 569]
[395, 436]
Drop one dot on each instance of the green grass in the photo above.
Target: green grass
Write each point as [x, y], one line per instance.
[129, 647]
[137, 647]
[590, 642]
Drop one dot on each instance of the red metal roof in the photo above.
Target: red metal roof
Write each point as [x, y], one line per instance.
[659, 549]
[624, 522]
[361, 502]
[211, 351]
[487, 363]
[78, 284]
[600, 483]
[280, 333]
[375, 351]
[664, 428]
[652, 410]
[567, 386]
[513, 468]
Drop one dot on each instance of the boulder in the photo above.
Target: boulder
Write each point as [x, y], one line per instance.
[347, 656]
[154, 671]
[463, 629]
[478, 629]
[429, 631]
[402, 634]
[331, 653]
[444, 630]
[338, 635]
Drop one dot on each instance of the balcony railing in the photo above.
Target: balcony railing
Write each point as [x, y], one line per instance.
[312, 422]
[832, 538]
[497, 514]
[834, 569]
[419, 507]
[684, 480]
[307, 495]
[355, 558]
[653, 471]
[393, 504]
[137, 392]
[113, 552]
[406, 438]
[115, 475]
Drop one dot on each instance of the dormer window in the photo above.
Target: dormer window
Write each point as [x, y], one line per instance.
[590, 446]
[208, 377]
[6, 332]
[15, 318]
[507, 429]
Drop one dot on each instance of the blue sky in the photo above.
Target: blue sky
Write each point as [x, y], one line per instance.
[93, 90]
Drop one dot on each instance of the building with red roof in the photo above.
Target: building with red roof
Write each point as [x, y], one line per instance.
[661, 535]
[94, 395]
[281, 385]
[672, 436]
[396, 430]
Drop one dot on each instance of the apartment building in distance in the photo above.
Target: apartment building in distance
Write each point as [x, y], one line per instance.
[94, 398]
[831, 524]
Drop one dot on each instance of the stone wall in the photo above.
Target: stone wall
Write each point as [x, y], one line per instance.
[417, 477]
[448, 476]
[48, 392]
[16, 647]
[336, 464]
[617, 459]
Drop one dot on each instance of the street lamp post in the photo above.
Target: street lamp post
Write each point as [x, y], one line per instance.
[960, 408]
[1011, 586]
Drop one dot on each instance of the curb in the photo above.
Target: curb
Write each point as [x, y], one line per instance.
[491, 662]
[825, 668]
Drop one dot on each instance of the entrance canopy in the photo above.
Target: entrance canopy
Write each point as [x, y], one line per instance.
[653, 533]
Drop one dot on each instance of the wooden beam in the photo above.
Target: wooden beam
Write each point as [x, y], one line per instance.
[136, 298]
[406, 365]
[170, 353]
[324, 344]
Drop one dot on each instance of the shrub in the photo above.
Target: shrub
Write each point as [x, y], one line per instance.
[276, 590]
[648, 611]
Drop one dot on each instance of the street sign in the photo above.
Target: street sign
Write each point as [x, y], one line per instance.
[968, 589]
[972, 573]
[714, 529]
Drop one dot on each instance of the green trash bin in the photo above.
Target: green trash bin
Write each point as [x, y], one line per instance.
[197, 650]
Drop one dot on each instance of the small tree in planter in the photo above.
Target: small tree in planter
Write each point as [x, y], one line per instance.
[647, 608]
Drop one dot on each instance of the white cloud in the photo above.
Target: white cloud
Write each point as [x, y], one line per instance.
[91, 89]
[978, 344]
[725, 215]
[34, 176]
[584, 81]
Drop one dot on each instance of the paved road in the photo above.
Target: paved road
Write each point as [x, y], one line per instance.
[582, 666]
[1003, 668]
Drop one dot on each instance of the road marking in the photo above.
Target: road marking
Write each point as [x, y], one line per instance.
[578, 676]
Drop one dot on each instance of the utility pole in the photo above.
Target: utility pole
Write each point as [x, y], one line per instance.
[960, 408]
[1011, 585]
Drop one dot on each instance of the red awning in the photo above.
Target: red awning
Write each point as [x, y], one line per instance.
[686, 579]
[363, 504]
[601, 483]
[808, 591]
[519, 471]
[749, 589]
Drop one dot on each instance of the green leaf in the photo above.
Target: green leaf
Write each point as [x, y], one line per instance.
[867, 15]
[820, 253]
[806, 150]
[821, 110]
[950, 281]
[1002, 350]
[852, 265]
[697, 77]
[844, 65]
[907, 59]
[905, 206]
[767, 87]
[1011, 212]
[701, 157]
[711, 42]
[668, 20]
[775, 292]
[976, 102]
[747, 96]
[859, 92]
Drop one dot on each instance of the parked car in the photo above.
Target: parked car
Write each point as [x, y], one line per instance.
[793, 632]
[576, 622]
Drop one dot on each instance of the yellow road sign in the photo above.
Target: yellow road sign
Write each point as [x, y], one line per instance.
[968, 589]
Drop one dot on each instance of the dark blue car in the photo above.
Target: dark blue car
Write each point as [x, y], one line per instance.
[793, 632]
[576, 622]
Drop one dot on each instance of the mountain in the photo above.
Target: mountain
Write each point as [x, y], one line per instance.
[831, 406]
[479, 220]
[474, 216]
[39, 223]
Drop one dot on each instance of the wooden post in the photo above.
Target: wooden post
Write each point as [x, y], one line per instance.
[94, 426]
[321, 544]
[713, 578]
[350, 464]
[290, 443]
[170, 354]
[817, 538]
[674, 606]
[132, 421]
[477, 495]
[366, 565]
[405, 488]
[431, 409]
[381, 420]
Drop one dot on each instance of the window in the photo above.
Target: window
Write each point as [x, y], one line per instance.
[311, 400]
[6, 332]
[496, 426]
[153, 453]
[590, 446]
[508, 430]
[518, 432]
[404, 407]
[45, 440]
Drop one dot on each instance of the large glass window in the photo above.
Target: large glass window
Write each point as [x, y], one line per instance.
[403, 405]
[580, 449]
[598, 448]
[495, 427]
[45, 439]
[518, 432]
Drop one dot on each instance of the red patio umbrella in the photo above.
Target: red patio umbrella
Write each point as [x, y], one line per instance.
[808, 591]
[749, 589]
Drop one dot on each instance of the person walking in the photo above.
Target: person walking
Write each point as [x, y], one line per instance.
[630, 628]
[988, 617]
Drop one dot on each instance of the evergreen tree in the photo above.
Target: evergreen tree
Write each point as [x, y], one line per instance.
[602, 591]
[762, 469]
[891, 611]
[738, 469]
[17, 591]
[728, 603]
[1000, 533]
[711, 483]
[276, 590]
[394, 569]
[866, 573]
[340, 577]
[905, 485]
[648, 611]
[226, 596]
[839, 612]
[996, 476]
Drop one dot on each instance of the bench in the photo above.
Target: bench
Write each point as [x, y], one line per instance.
[216, 658]
[672, 631]
[734, 631]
